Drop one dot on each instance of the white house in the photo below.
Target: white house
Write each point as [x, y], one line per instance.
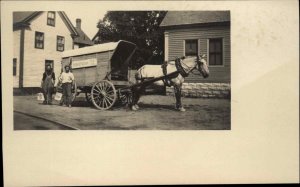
[39, 39]
[189, 33]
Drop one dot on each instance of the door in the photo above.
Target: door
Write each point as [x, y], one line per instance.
[49, 62]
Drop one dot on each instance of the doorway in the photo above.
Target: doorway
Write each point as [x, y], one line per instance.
[49, 62]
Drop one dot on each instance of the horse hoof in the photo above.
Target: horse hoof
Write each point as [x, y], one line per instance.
[181, 109]
[134, 108]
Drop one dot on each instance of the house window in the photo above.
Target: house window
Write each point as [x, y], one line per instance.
[60, 43]
[14, 67]
[39, 40]
[215, 52]
[191, 47]
[51, 18]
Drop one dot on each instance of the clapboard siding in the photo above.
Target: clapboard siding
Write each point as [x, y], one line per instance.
[177, 37]
[17, 38]
[34, 59]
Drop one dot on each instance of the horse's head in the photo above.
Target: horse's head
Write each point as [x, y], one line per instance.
[202, 66]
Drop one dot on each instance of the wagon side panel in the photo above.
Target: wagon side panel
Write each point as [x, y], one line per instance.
[86, 74]
[103, 67]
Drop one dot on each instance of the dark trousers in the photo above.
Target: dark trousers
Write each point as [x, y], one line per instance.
[67, 93]
[48, 91]
[47, 96]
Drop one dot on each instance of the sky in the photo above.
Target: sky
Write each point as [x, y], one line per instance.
[89, 19]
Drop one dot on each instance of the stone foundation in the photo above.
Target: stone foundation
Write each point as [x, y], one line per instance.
[203, 90]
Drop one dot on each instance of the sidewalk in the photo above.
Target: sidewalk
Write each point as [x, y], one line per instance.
[156, 113]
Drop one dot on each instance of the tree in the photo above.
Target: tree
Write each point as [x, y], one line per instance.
[139, 27]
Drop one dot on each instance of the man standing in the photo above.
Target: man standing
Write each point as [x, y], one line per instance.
[67, 80]
[48, 85]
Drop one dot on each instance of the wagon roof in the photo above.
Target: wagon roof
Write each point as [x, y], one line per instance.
[95, 49]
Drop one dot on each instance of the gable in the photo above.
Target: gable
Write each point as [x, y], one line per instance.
[25, 19]
[22, 16]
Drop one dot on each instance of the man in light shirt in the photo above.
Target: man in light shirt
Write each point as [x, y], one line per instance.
[67, 80]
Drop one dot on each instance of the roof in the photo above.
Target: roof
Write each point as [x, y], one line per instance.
[176, 18]
[24, 18]
[94, 49]
[82, 38]
[21, 16]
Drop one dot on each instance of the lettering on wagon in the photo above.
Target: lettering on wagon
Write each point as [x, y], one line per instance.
[84, 63]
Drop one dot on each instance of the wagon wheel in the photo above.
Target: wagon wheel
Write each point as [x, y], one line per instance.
[126, 98]
[103, 95]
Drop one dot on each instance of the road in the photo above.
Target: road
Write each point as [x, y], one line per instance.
[26, 122]
[156, 113]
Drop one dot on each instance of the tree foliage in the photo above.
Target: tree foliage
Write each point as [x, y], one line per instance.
[139, 27]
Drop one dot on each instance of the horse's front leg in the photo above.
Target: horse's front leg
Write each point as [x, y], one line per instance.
[177, 91]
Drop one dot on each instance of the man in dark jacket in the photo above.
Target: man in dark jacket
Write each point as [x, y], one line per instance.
[48, 84]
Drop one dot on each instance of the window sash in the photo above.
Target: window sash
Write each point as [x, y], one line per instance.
[191, 47]
[51, 18]
[14, 67]
[216, 52]
[39, 40]
[60, 43]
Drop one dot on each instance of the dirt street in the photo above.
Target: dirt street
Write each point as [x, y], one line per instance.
[25, 122]
[156, 113]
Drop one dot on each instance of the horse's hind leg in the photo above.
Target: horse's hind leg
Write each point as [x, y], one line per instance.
[136, 94]
[177, 90]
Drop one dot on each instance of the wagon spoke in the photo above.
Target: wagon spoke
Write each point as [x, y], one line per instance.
[107, 88]
[99, 87]
[110, 92]
[97, 90]
[98, 101]
[97, 97]
[102, 86]
[103, 95]
[108, 100]
[104, 102]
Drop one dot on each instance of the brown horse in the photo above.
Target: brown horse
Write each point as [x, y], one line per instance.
[184, 66]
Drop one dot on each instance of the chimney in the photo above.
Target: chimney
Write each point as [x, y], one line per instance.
[78, 23]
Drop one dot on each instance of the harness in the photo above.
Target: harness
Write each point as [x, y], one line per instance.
[166, 81]
[180, 68]
[184, 72]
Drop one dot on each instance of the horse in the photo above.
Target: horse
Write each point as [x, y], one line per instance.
[184, 66]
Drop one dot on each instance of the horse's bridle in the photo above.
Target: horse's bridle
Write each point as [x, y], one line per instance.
[185, 71]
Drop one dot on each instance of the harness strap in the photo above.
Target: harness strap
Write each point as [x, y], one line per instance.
[180, 68]
[166, 81]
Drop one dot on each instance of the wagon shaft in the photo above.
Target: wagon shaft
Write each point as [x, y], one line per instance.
[148, 82]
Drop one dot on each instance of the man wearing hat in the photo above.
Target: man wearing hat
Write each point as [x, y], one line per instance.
[67, 80]
[48, 84]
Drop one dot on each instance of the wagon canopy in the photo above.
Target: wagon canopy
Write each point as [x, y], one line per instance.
[120, 56]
